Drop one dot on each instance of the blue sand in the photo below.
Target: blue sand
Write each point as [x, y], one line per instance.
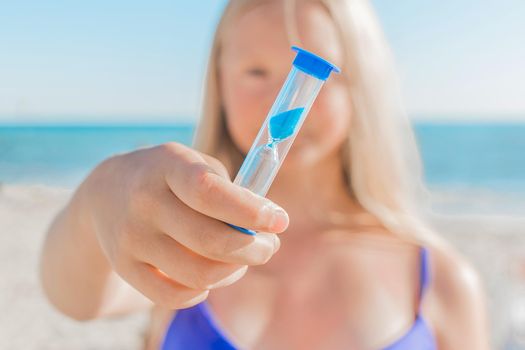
[283, 125]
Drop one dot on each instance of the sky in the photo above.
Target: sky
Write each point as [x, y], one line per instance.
[125, 61]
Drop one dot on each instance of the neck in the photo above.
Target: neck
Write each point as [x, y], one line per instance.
[313, 193]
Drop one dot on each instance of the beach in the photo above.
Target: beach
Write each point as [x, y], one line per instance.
[27, 320]
[427, 94]
[488, 238]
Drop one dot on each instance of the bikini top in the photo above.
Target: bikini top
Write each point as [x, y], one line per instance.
[196, 327]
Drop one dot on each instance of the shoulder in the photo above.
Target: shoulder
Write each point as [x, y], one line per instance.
[457, 298]
[454, 278]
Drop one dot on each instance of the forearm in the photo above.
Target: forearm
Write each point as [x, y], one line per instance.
[74, 271]
[76, 276]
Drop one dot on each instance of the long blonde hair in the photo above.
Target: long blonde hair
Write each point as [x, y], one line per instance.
[381, 160]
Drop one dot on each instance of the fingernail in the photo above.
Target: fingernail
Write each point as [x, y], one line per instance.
[279, 219]
[230, 279]
[276, 244]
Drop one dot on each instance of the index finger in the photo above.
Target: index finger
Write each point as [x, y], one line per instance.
[203, 189]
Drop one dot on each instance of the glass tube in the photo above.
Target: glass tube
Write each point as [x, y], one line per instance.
[282, 124]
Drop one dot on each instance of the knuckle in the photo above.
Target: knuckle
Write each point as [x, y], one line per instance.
[171, 148]
[218, 166]
[204, 183]
[255, 216]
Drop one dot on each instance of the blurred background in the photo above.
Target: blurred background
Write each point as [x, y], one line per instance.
[80, 81]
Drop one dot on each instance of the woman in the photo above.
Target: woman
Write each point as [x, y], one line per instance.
[357, 267]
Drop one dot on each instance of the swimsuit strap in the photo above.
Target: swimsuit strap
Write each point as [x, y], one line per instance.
[424, 274]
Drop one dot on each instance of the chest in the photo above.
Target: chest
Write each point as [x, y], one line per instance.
[335, 299]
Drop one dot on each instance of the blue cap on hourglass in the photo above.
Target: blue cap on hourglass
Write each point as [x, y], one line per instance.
[312, 64]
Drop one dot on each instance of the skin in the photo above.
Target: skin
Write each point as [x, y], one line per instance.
[153, 219]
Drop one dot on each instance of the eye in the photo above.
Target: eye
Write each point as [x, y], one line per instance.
[257, 72]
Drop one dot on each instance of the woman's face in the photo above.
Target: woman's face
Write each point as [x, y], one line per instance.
[255, 60]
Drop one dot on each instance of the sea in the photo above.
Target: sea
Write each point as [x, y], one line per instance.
[486, 155]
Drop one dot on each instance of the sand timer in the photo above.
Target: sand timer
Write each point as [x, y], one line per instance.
[307, 76]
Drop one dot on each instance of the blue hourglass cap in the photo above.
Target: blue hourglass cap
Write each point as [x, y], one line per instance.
[312, 64]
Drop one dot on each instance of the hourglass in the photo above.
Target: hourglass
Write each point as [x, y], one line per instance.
[307, 76]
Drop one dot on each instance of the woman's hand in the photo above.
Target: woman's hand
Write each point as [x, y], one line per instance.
[159, 217]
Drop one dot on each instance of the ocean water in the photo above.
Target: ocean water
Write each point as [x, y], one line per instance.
[64, 155]
[486, 156]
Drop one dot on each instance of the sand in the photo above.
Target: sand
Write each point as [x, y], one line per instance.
[492, 239]
[27, 321]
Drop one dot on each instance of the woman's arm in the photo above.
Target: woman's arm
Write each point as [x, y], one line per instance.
[156, 218]
[460, 314]
[75, 274]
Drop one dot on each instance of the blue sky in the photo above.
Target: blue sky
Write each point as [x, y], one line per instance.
[69, 61]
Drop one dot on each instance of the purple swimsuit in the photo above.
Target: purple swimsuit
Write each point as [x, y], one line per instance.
[195, 328]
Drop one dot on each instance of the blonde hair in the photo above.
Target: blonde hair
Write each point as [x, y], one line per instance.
[381, 160]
